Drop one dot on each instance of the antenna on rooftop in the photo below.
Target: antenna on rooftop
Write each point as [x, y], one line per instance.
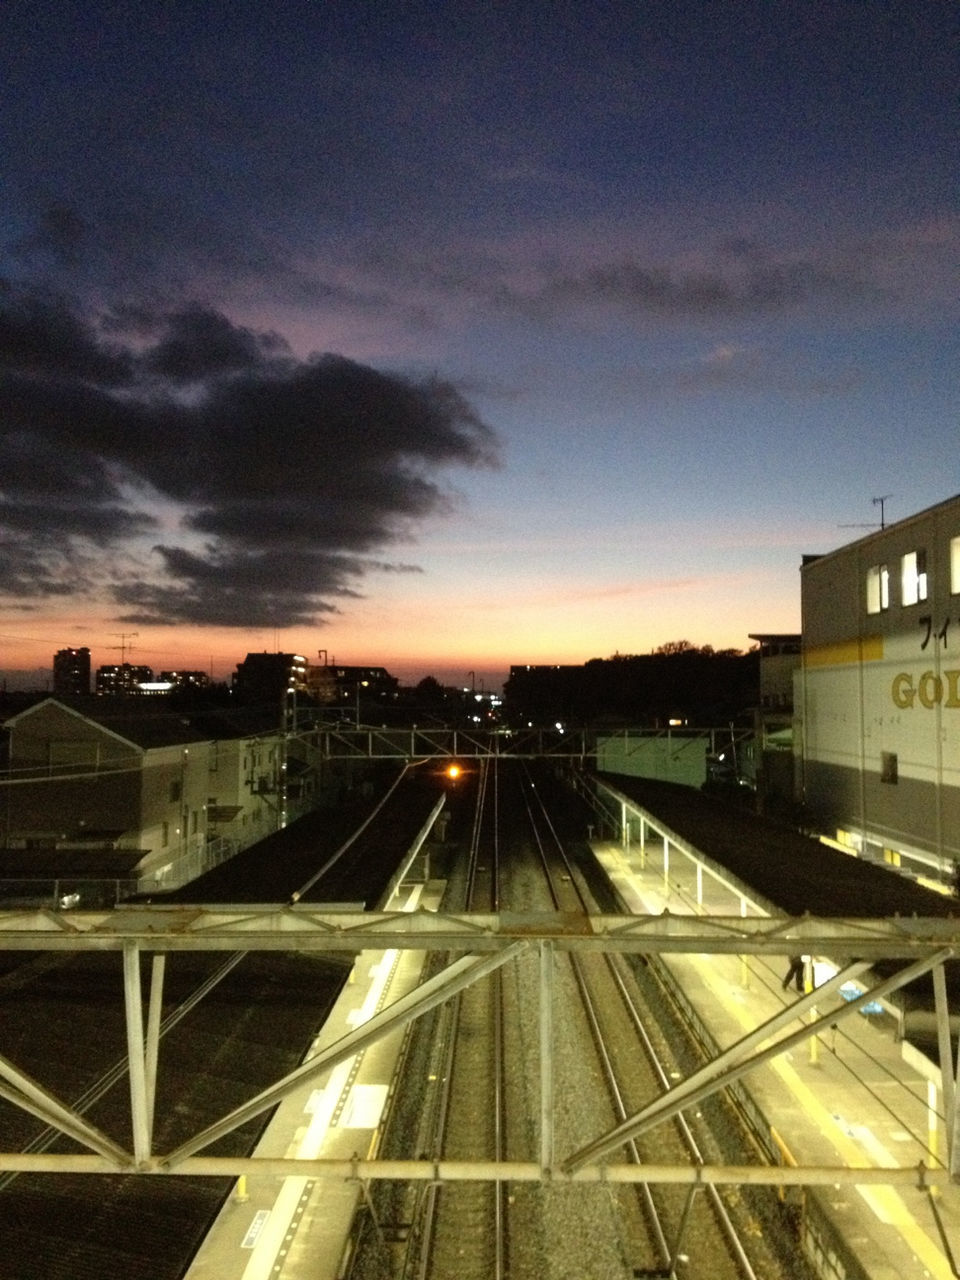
[123, 646]
[877, 502]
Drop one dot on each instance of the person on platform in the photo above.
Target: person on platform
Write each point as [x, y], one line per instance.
[794, 973]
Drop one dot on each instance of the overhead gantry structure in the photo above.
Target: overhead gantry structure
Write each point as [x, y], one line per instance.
[342, 742]
[476, 945]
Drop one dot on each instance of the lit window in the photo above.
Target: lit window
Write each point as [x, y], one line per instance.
[913, 577]
[955, 565]
[878, 588]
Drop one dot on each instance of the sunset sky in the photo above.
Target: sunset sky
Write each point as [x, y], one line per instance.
[445, 336]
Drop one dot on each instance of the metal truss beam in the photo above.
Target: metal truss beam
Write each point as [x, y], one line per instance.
[300, 927]
[482, 943]
[918, 1176]
[343, 743]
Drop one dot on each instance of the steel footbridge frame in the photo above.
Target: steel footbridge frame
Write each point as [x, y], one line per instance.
[479, 944]
[366, 742]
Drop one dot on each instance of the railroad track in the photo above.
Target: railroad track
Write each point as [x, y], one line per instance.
[663, 1229]
[462, 1230]
[610, 1056]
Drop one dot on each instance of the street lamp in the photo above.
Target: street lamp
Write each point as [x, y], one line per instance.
[360, 683]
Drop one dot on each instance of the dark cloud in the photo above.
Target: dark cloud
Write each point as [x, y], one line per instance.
[242, 588]
[40, 336]
[31, 573]
[276, 481]
[739, 284]
[201, 343]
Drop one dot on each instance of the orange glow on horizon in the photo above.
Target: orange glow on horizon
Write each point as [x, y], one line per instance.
[462, 634]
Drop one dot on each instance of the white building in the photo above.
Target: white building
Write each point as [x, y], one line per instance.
[877, 703]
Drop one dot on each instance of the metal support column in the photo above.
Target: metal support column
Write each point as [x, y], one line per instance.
[944, 1045]
[546, 1055]
[953, 1120]
[157, 971]
[136, 1056]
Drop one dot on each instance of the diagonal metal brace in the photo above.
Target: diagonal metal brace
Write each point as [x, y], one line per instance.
[462, 973]
[26, 1093]
[731, 1065]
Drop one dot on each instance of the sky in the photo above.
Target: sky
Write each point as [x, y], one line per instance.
[449, 336]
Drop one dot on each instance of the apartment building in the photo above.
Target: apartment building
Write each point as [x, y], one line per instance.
[71, 671]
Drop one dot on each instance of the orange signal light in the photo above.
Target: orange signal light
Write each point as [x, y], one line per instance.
[453, 771]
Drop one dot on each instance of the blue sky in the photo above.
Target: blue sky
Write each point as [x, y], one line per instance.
[624, 308]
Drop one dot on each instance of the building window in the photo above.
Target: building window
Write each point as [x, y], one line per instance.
[888, 766]
[164, 834]
[955, 566]
[878, 588]
[176, 790]
[913, 577]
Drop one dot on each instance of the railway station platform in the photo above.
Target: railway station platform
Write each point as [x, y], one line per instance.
[858, 1095]
[288, 1228]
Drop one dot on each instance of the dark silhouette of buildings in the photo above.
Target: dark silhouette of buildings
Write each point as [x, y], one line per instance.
[689, 686]
[122, 678]
[185, 679]
[71, 671]
[266, 677]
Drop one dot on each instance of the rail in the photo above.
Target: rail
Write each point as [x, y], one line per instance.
[593, 987]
